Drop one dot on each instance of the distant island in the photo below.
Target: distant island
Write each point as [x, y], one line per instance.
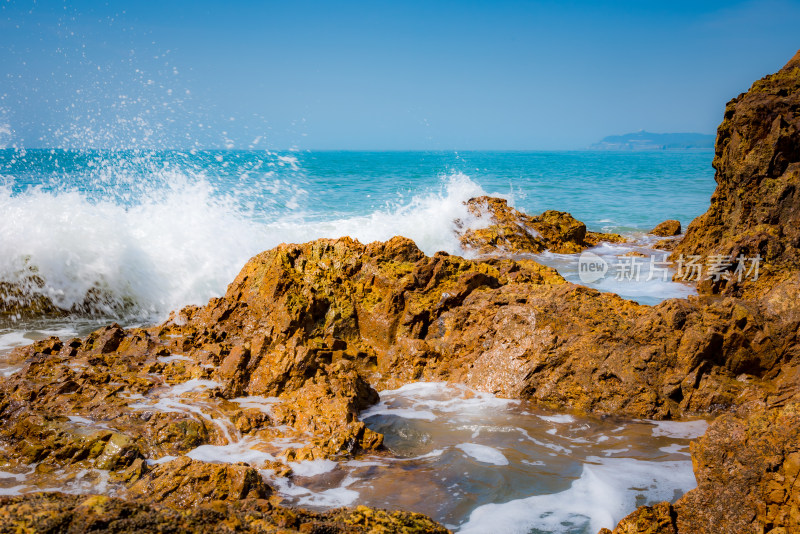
[655, 141]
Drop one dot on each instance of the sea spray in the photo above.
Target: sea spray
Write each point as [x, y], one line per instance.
[132, 236]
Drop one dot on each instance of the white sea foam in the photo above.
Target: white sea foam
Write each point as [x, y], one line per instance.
[406, 413]
[680, 429]
[605, 492]
[310, 468]
[84, 421]
[676, 448]
[15, 490]
[183, 243]
[19, 338]
[561, 418]
[12, 340]
[642, 288]
[483, 453]
[423, 400]
[241, 451]
[330, 498]
[260, 403]
[86, 481]
[169, 400]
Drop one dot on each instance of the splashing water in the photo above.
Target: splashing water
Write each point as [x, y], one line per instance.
[143, 235]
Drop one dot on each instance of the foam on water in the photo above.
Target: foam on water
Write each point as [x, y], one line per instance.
[182, 242]
[606, 491]
[483, 453]
[243, 450]
[420, 398]
[310, 468]
[324, 499]
[170, 400]
[645, 289]
[680, 429]
[497, 465]
[260, 403]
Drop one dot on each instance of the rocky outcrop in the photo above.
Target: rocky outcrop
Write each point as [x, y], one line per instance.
[752, 460]
[747, 464]
[755, 209]
[318, 327]
[76, 514]
[324, 324]
[306, 333]
[512, 232]
[747, 468]
[668, 228]
[24, 298]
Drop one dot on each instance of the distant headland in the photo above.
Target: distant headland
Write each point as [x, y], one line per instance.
[643, 140]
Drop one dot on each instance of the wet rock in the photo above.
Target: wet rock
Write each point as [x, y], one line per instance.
[658, 519]
[752, 460]
[513, 232]
[667, 244]
[74, 514]
[667, 228]
[755, 209]
[747, 468]
[183, 483]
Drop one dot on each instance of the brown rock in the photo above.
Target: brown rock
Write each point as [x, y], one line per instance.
[751, 460]
[747, 469]
[76, 514]
[658, 519]
[755, 209]
[667, 228]
[513, 232]
[183, 483]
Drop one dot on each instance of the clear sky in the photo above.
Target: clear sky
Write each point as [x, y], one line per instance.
[378, 74]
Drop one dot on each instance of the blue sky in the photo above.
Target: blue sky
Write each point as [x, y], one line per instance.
[378, 75]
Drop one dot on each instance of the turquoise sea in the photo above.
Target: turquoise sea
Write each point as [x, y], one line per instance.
[154, 231]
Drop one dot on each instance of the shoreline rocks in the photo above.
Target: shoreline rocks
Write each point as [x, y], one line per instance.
[314, 329]
[755, 209]
[748, 463]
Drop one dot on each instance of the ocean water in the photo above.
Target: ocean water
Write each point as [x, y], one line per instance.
[149, 232]
[144, 233]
